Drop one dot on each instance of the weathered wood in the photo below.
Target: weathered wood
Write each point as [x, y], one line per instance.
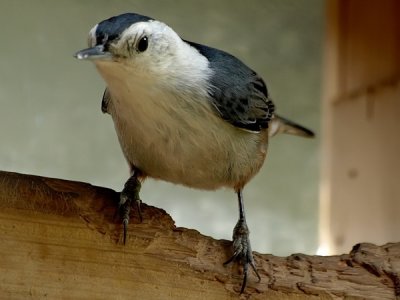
[59, 239]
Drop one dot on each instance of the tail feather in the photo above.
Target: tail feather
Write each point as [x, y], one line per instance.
[282, 125]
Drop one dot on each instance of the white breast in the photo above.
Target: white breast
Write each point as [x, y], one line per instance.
[177, 136]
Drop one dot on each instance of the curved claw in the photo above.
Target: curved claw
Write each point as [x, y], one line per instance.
[125, 223]
[253, 266]
[245, 272]
[242, 247]
[247, 259]
[138, 203]
[129, 194]
[125, 208]
[232, 258]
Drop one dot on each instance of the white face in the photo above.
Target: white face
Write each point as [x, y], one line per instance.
[145, 46]
[151, 51]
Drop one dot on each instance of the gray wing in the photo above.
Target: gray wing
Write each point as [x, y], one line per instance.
[105, 101]
[239, 95]
[245, 105]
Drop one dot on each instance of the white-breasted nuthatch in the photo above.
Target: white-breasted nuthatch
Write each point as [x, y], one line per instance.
[184, 113]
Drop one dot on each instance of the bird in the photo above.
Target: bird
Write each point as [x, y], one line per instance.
[184, 113]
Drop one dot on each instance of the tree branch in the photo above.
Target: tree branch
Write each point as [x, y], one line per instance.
[60, 239]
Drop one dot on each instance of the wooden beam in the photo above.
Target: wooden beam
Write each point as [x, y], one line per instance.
[59, 239]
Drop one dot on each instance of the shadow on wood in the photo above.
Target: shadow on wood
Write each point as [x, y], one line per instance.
[59, 239]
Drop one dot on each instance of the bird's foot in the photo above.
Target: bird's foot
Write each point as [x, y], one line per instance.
[242, 251]
[128, 196]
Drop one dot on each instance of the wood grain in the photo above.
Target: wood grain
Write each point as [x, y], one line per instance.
[60, 240]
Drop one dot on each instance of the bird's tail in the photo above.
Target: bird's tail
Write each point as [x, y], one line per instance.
[282, 125]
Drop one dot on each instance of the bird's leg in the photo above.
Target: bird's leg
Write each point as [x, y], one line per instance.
[241, 244]
[130, 194]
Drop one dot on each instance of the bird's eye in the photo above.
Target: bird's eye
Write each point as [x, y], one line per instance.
[142, 45]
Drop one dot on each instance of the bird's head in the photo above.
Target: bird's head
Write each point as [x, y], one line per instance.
[139, 52]
[134, 41]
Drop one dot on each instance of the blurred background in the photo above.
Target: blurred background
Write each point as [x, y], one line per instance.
[51, 123]
[360, 162]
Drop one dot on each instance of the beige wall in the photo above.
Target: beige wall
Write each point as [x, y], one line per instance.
[51, 123]
[360, 193]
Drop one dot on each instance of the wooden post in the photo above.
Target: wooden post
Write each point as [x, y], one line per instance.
[60, 240]
[360, 172]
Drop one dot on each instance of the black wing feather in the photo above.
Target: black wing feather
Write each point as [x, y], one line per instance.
[238, 93]
[105, 101]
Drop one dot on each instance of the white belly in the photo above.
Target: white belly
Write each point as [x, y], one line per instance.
[180, 139]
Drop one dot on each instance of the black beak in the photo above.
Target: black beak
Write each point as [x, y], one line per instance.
[94, 53]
